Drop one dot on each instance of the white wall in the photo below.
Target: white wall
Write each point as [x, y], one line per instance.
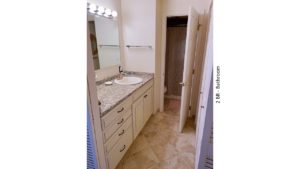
[182, 6]
[139, 29]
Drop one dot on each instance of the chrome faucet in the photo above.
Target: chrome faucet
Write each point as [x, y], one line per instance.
[121, 74]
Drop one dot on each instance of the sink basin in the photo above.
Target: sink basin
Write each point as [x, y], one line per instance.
[128, 80]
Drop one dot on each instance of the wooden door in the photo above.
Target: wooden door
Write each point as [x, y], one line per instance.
[176, 37]
[191, 38]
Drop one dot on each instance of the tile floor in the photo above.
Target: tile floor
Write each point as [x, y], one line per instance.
[160, 145]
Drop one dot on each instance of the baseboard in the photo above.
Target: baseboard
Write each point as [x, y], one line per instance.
[172, 97]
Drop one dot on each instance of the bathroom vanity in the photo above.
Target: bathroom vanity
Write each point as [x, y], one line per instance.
[124, 110]
[125, 104]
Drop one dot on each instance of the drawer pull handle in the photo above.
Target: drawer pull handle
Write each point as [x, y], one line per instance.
[121, 121]
[123, 148]
[122, 133]
[121, 110]
[145, 96]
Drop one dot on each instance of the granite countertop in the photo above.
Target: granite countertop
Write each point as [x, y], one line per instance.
[111, 96]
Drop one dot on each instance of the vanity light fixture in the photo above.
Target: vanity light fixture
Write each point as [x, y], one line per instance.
[107, 12]
[114, 14]
[92, 8]
[101, 11]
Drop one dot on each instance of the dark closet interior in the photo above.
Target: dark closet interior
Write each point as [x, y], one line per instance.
[175, 48]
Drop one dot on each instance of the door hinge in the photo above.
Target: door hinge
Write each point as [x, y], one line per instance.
[193, 71]
[190, 107]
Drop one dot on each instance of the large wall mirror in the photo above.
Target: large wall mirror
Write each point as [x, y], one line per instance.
[104, 36]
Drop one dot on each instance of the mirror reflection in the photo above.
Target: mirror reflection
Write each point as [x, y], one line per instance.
[104, 36]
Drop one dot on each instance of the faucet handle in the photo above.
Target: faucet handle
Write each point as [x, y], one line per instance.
[120, 69]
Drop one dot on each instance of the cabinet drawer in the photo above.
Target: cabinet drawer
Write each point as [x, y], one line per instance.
[117, 112]
[142, 90]
[118, 151]
[119, 134]
[117, 123]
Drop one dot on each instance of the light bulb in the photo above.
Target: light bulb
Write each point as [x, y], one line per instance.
[100, 10]
[93, 8]
[114, 14]
[107, 12]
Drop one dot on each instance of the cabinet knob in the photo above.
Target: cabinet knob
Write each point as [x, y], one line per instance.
[145, 96]
[121, 121]
[122, 133]
[123, 148]
[202, 107]
[181, 83]
[99, 103]
[121, 110]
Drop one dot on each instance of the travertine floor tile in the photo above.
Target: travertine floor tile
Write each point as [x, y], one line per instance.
[188, 158]
[164, 152]
[141, 160]
[160, 146]
[174, 163]
[140, 143]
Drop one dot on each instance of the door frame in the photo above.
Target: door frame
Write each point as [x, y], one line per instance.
[163, 51]
[94, 108]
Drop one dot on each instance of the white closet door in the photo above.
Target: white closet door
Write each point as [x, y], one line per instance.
[190, 46]
[205, 110]
[204, 154]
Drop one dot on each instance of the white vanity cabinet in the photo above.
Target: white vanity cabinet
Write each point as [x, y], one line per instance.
[123, 123]
[142, 107]
[117, 132]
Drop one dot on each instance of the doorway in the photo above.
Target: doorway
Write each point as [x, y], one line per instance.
[186, 84]
[176, 31]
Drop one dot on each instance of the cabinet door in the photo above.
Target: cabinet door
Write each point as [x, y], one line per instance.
[138, 116]
[148, 104]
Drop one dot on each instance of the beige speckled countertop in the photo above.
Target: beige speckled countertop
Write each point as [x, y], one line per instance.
[111, 96]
